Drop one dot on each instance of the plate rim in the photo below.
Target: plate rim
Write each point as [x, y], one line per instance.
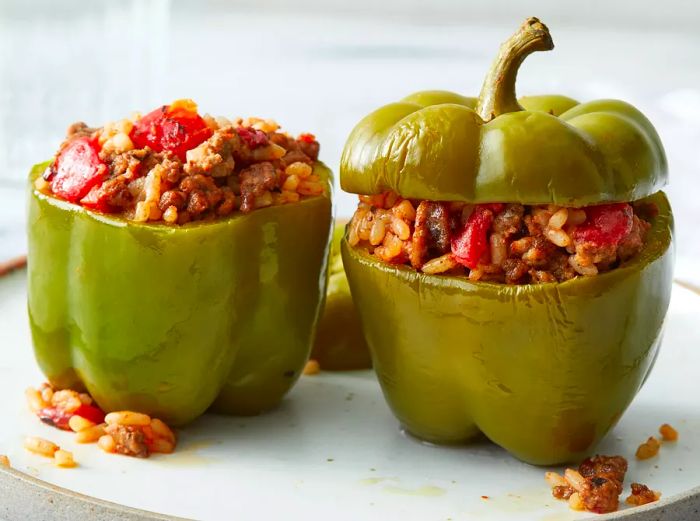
[21, 489]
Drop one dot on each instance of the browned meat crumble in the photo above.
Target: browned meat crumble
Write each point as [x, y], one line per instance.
[498, 242]
[208, 168]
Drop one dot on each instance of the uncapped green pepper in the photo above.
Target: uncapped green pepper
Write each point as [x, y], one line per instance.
[167, 319]
[544, 370]
[340, 345]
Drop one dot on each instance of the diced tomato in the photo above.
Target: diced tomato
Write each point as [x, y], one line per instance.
[77, 169]
[307, 138]
[147, 131]
[174, 128]
[253, 138]
[605, 224]
[55, 417]
[90, 412]
[494, 207]
[471, 242]
[183, 131]
[96, 199]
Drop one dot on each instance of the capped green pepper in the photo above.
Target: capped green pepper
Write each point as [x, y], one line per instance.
[542, 149]
[340, 345]
[164, 319]
[544, 370]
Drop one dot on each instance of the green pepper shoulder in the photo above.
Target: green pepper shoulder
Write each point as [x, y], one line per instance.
[440, 145]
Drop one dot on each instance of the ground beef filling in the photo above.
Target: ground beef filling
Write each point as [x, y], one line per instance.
[129, 440]
[642, 495]
[508, 243]
[595, 487]
[242, 165]
[124, 432]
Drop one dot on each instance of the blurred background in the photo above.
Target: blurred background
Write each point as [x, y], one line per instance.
[320, 65]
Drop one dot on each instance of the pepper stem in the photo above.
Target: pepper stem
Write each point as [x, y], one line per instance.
[498, 91]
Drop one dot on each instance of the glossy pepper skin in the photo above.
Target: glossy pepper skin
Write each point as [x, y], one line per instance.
[442, 146]
[163, 319]
[340, 344]
[542, 370]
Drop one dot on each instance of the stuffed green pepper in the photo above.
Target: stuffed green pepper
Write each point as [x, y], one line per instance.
[178, 261]
[511, 260]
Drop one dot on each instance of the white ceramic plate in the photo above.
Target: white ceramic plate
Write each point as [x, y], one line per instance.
[334, 451]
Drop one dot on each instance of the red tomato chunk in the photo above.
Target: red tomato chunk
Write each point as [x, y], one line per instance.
[77, 169]
[605, 224]
[177, 131]
[56, 417]
[307, 138]
[90, 412]
[96, 200]
[252, 137]
[471, 242]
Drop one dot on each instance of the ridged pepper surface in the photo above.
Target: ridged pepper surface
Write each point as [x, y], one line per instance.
[542, 370]
[166, 320]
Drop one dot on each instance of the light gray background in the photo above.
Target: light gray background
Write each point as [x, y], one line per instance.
[321, 65]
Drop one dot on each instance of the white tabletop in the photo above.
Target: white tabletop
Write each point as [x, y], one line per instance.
[320, 66]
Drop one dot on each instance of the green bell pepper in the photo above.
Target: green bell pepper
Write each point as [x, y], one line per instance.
[544, 149]
[340, 344]
[542, 370]
[167, 319]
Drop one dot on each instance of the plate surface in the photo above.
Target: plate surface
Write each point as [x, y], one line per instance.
[334, 449]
